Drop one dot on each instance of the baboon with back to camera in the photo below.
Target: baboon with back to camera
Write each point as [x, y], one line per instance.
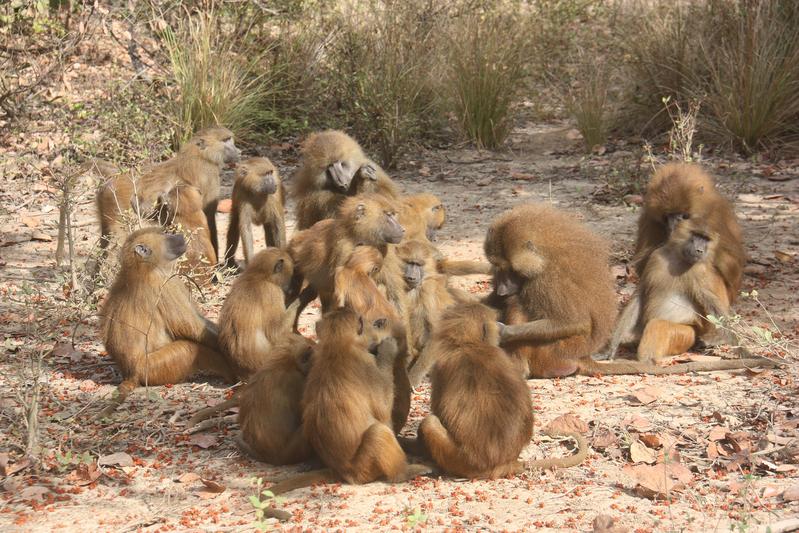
[347, 406]
[554, 290]
[150, 325]
[473, 430]
[254, 317]
[258, 196]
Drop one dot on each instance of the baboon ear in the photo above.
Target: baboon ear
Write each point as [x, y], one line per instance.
[528, 261]
[360, 211]
[142, 250]
[360, 325]
[201, 144]
[278, 268]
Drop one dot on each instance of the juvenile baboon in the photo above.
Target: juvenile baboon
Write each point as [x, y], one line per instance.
[482, 414]
[421, 215]
[182, 207]
[347, 406]
[428, 297]
[333, 167]
[355, 289]
[682, 191]
[150, 324]
[362, 220]
[254, 317]
[679, 288]
[258, 196]
[553, 287]
[198, 163]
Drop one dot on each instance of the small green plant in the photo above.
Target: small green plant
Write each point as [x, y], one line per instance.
[65, 460]
[415, 516]
[261, 501]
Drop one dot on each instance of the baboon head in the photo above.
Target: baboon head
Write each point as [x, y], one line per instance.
[513, 260]
[674, 193]
[151, 248]
[365, 259]
[372, 220]
[432, 210]
[470, 322]
[258, 175]
[273, 265]
[345, 327]
[416, 255]
[334, 158]
[215, 144]
[692, 241]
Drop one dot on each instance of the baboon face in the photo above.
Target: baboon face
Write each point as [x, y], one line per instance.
[275, 265]
[670, 220]
[693, 242]
[415, 255]
[340, 173]
[507, 282]
[389, 230]
[259, 175]
[216, 144]
[151, 246]
[392, 231]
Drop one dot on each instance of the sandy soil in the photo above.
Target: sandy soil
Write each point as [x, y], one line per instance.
[734, 432]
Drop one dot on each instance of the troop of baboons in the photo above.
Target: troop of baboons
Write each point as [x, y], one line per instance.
[389, 316]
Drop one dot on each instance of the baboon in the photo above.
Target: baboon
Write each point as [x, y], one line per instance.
[553, 287]
[362, 220]
[347, 406]
[198, 163]
[270, 416]
[258, 196]
[482, 414]
[355, 289]
[182, 207]
[421, 215]
[682, 191]
[150, 325]
[334, 167]
[679, 288]
[428, 297]
[254, 317]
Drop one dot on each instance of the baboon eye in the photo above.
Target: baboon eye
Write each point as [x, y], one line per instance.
[380, 323]
[201, 144]
[226, 139]
[685, 216]
[143, 250]
[437, 207]
[278, 266]
[375, 269]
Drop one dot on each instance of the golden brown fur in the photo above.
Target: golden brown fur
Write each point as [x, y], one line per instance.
[347, 405]
[428, 297]
[421, 215]
[678, 191]
[355, 289]
[553, 287]
[198, 164]
[333, 167]
[150, 325]
[254, 317]
[258, 196]
[482, 414]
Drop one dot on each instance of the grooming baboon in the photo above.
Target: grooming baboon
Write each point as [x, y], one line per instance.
[482, 414]
[333, 167]
[254, 317]
[428, 296]
[355, 289]
[682, 191]
[421, 215]
[198, 163]
[150, 324]
[347, 406]
[679, 288]
[553, 287]
[362, 220]
[182, 207]
[258, 196]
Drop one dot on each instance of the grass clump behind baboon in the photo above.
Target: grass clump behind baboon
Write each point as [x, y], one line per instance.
[486, 53]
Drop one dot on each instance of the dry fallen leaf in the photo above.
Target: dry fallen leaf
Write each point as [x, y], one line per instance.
[783, 257]
[115, 459]
[31, 222]
[718, 433]
[791, 494]
[522, 176]
[41, 236]
[607, 524]
[647, 395]
[34, 492]
[637, 423]
[212, 489]
[84, 474]
[203, 440]
[567, 423]
[651, 440]
[660, 480]
[188, 477]
[604, 438]
[639, 453]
